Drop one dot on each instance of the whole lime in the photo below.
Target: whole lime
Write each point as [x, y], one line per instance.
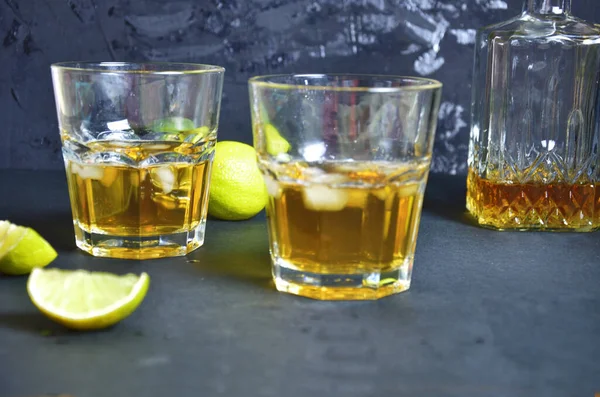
[237, 188]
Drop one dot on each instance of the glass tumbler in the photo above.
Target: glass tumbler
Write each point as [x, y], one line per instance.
[138, 142]
[345, 159]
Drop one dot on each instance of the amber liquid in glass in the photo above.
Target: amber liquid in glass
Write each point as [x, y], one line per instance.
[158, 199]
[553, 207]
[358, 222]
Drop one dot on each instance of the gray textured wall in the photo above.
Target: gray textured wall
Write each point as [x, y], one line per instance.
[430, 38]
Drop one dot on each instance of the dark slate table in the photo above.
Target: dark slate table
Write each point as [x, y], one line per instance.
[489, 314]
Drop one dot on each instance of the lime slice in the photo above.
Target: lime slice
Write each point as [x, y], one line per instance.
[276, 144]
[4, 225]
[196, 135]
[185, 128]
[173, 124]
[84, 300]
[22, 249]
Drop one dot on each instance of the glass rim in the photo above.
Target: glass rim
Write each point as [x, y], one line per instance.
[168, 68]
[423, 82]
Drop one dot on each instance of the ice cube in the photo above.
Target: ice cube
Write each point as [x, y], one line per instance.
[283, 158]
[357, 198]
[317, 175]
[350, 166]
[164, 178]
[134, 179]
[273, 187]
[94, 172]
[110, 158]
[324, 198]
[109, 176]
[162, 136]
[151, 160]
[313, 172]
[313, 151]
[84, 134]
[137, 177]
[383, 193]
[119, 125]
[118, 136]
[157, 146]
[167, 201]
[408, 190]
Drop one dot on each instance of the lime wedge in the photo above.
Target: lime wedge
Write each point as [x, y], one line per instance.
[185, 128]
[195, 135]
[22, 249]
[276, 144]
[174, 124]
[84, 300]
[4, 225]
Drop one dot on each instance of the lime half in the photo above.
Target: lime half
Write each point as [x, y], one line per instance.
[84, 300]
[22, 249]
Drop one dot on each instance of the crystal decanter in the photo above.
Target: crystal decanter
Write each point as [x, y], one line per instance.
[535, 118]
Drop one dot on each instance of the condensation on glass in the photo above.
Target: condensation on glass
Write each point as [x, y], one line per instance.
[533, 154]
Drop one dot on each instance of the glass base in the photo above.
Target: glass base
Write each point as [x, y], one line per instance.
[512, 226]
[140, 247]
[537, 228]
[355, 286]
